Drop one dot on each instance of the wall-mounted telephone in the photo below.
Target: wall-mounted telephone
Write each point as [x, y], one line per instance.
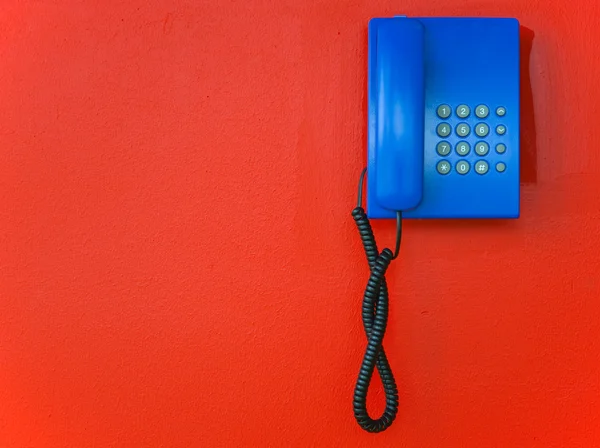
[443, 118]
[443, 142]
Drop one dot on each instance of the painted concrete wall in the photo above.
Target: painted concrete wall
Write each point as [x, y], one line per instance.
[178, 263]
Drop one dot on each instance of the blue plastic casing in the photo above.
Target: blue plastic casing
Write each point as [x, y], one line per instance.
[415, 65]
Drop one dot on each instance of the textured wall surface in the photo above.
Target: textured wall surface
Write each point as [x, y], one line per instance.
[178, 264]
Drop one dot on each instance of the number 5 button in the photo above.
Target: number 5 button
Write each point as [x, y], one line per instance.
[463, 129]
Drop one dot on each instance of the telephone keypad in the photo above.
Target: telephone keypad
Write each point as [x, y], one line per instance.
[481, 132]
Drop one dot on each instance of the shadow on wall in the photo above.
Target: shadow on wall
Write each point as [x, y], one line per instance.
[528, 160]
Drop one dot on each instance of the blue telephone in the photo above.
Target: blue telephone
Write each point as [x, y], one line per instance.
[443, 118]
[443, 142]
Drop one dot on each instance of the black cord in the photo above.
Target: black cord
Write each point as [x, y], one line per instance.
[374, 315]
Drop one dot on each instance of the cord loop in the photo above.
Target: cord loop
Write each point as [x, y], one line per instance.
[374, 316]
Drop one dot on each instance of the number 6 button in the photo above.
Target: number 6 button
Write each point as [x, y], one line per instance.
[482, 129]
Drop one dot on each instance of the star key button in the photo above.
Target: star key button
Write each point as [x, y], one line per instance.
[443, 167]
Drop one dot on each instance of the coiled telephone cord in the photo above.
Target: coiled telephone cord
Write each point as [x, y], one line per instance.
[374, 316]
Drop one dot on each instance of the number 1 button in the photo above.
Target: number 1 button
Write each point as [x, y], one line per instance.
[443, 111]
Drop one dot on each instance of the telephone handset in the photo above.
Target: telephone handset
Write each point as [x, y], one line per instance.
[443, 142]
[399, 116]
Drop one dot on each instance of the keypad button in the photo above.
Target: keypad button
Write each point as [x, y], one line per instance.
[463, 148]
[444, 129]
[443, 148]
[482, 111]
[481, 167]
[463, 129]
[500, 148]
[463, 167]
[501, 111]
[444, 111]
[443, 167]
[463, 111]
[501, 129]
[482, 129]
[500, 167]
[482, 148]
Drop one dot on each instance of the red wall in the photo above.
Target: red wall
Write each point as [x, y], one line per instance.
[179, 267]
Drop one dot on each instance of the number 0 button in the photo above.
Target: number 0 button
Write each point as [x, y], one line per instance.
[443, 111]
[443, 129]
[462, 167]
[463, 129]
[482, 129]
